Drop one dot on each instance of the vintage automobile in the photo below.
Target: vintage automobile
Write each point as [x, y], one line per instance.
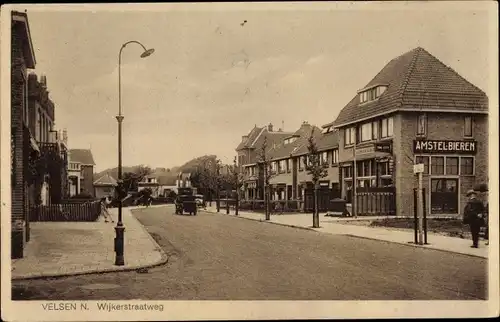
[186, 202]
[200, 200]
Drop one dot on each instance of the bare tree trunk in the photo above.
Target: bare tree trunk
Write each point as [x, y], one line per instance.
[315, 210]
[236, 206]
[227, 200]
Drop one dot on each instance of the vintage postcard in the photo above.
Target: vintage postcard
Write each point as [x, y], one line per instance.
[288, 160]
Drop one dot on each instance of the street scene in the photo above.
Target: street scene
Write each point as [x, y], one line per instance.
[249, 155]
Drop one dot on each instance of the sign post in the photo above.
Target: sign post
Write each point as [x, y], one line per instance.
[419, 169]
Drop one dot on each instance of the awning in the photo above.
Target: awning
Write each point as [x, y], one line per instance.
[367, 156]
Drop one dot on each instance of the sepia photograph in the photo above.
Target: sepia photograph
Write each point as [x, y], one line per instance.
[249, 160]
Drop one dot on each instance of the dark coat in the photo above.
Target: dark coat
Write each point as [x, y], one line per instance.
[473, 209]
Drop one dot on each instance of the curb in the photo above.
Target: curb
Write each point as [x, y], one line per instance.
[416, 246]
[355, 236]
[266, 221]
[163, 260]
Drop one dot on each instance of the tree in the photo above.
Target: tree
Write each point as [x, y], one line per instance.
[265, 165]
[317, 169]
[237, 180]
[132, 179]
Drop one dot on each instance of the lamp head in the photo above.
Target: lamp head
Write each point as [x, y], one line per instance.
[147, 53]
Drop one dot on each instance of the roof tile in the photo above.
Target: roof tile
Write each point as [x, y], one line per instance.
[416, 79]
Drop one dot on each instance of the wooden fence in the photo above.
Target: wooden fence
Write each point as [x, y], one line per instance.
[80, 212]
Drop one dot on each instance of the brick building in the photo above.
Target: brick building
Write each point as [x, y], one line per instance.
[23, 146]
[81, 172]
[424, 112]
[287, 153]
[248, 154]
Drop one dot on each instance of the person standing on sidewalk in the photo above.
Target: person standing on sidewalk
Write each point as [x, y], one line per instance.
[474, 216]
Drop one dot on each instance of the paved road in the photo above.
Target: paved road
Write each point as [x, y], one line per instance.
[215, 256]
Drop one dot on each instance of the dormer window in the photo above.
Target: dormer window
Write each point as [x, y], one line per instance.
[371, 94]
[290, 140]
[327, 129]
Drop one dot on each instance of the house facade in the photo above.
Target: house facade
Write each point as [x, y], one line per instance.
[287, 153]
[415, 110]
[161, 182]
[23, 145]
[248, 156]
[80, 172]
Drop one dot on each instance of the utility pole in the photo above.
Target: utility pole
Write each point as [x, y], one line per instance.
[236, 180]
[354, 174]
[420, 207]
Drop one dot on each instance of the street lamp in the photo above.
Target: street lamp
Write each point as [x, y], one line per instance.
[120, 229]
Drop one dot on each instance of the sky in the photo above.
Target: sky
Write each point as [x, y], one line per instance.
[213, 76]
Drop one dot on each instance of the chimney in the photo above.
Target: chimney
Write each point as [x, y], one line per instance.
[270, 127]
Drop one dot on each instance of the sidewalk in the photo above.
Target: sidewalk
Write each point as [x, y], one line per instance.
[332, 225]
[74, 248]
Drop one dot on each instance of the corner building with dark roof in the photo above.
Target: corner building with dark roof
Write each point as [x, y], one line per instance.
[424, 112]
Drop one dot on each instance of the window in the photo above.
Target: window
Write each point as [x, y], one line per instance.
[468, 126]
[288, 165]
[283, 166]
[437, 165]
[467, 166]
[375, 130]
[38, 125]
[348, 172]
[366, 132]
[335, 156]
[421, 124]
[383, 168]
[349, 135]
[452, 165]
[386, 128]
[425, 161]
[300, 160]
[324, 157]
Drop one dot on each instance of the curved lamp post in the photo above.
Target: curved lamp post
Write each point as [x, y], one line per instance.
[120, 229]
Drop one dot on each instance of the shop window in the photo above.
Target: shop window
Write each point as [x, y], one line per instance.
[467, 166]
[468, 126]
[422, 125]
[444, 196]
[437, 165]
[386, 182]
[425, 161]
[452, 165]
[383, 168]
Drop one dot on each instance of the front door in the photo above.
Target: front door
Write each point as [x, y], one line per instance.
[444, 196]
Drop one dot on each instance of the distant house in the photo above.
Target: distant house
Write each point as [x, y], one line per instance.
[81, 171]
[104, 186]
[161, 183]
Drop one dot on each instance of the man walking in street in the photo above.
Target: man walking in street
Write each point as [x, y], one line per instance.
[474, 216]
